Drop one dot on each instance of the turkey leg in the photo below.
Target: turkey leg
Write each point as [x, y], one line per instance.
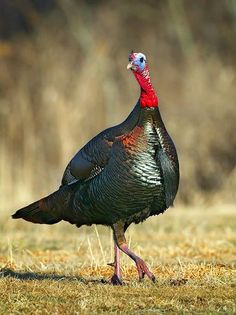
[116, 278]
[119, 238]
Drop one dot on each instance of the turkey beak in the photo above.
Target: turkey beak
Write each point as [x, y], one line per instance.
[130, 65]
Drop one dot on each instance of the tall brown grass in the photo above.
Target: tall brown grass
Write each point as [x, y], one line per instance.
[66, 81]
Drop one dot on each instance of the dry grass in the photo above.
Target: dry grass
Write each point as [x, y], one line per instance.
[66, 81]
[62, 270]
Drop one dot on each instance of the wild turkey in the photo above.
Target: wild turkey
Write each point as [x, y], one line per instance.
[123, 175]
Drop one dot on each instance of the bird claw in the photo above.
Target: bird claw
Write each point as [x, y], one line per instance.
[143, 269]
[115, 280]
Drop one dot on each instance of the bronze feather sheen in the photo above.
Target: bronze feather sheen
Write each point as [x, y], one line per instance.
[130, 172]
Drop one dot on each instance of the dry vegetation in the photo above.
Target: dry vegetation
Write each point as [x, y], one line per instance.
[64, 80]
[67, 80]
[62, 270]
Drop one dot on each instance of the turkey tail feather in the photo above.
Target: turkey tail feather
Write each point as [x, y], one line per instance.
[38, 212]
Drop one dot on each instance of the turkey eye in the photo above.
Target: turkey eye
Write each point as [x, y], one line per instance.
[141, 59]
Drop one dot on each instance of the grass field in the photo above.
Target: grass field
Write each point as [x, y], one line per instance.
[62, 270]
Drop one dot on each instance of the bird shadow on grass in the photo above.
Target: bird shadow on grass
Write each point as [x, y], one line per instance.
[8, 273]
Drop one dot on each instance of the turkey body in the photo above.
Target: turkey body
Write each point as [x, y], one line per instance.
[123, 175]
[138, 177]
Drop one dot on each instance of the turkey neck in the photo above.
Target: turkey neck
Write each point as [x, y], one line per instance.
[148, 97]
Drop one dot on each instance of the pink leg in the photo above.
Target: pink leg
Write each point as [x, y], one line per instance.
[117, 261]
[119, 238]
[116, 278]
[140, 264]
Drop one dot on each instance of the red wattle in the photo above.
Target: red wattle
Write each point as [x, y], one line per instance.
[148, 100]
[148, 97]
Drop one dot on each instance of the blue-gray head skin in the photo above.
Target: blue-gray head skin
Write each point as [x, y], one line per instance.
[137, 61]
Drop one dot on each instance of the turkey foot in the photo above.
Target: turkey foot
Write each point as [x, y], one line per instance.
[115, 280]
[140, 264]
[143, 269]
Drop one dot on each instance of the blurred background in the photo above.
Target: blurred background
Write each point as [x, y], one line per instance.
[63, 79]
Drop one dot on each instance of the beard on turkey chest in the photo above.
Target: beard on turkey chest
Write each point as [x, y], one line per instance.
[126, 187]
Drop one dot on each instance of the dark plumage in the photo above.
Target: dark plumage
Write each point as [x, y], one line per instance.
[123, 175]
